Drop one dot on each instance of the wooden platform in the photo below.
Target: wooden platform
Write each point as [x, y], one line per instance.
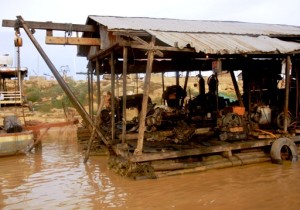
[202, 152]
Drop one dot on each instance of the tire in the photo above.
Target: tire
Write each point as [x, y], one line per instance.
[276, 150]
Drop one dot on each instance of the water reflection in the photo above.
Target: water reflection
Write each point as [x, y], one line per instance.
[56, 178]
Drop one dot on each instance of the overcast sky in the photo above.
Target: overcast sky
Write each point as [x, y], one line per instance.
[76, 12]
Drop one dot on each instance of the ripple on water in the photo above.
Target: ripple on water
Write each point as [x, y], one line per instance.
[56, 178]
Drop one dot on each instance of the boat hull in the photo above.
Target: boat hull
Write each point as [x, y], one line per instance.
[15, 143]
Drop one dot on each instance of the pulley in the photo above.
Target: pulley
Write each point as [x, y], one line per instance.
[18, 40]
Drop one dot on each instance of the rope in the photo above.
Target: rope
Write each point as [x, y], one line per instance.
[69, 29]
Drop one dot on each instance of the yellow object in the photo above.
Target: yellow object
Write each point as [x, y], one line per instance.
[18, 42]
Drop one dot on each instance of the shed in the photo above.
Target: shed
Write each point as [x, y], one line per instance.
[162, 140]
[147, 45]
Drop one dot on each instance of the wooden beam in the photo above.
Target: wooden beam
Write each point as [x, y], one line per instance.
[139, 149]
[236, 88]
[125, 67]
[103, 53]
[112, 90]
[72, 41]
[120, 32]
[287, 89]
[143, 42]
[161, 48]
[199, 151]
[52, 26]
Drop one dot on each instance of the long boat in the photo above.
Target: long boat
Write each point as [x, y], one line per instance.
[15, 143]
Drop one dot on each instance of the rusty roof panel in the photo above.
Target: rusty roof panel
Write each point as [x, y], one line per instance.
[194, 26]
[210, 37]
[225, 43]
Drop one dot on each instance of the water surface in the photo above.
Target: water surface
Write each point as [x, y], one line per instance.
[57, 178]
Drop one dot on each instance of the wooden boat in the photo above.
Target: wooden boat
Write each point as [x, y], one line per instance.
[15, 143]
[13, 139]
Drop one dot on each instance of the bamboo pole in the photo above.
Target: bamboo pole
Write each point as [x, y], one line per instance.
[113, 80]
[39, 139]
[177, 78]
[186, 79]
[287, 89]
[236, 88]
[125, 59]
[137, 82]
[89, 87]
[168, 165]
[163, 85]
[139, 148]
[92, 91]
[297, 94]
[98, 82]
[86, 157]
[229, 163]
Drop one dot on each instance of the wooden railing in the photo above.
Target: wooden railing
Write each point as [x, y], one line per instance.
[11, 97]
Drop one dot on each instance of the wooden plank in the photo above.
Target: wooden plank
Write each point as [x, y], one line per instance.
[201, 168]
[160, 48]
[201, 150]
[236, 88]
[103, 53]
[141, 41]
[72, 41]
[53, 26]
[11, 102]
[142, 127]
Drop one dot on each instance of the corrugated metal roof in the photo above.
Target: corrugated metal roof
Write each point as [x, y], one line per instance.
[194, 26]
[226, 44]
[211, 37]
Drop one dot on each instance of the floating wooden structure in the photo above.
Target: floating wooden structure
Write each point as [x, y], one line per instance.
[207, 132]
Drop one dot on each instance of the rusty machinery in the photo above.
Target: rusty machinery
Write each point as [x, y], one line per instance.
[207, 110]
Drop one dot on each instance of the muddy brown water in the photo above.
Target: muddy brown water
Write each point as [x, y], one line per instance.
[57, 178]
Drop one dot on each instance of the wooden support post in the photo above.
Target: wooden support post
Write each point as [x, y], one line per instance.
[125, 59]
[97, 120]
[89, 86]
[297, 93]
[287, 89]
[139, 148]
[98, 82]
[38, 138]
[236, 88]
[163, 84]
[49, 33]
[137, 82]
[177, 78]
[113, 81]
[92, 91]
[185, 86]
[186, 79]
